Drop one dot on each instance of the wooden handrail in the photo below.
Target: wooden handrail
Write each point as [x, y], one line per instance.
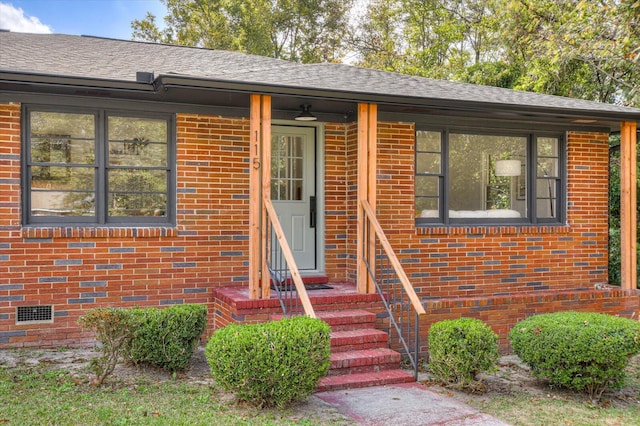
[288, 256]
[393, 259]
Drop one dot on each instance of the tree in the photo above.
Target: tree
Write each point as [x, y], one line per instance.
[576, 48]
[295, 30]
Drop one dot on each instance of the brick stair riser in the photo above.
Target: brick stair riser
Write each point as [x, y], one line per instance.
[351, 320]
[344, 344]
[364, 361]
[352, 326]
[362, 369]
[352, 381]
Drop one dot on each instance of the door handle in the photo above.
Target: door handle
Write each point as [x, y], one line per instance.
[312, 211]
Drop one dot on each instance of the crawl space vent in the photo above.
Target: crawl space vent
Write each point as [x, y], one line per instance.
[34, 313]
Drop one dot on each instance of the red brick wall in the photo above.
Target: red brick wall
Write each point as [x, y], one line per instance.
[472, 261]
[79, 268]
[336, 199]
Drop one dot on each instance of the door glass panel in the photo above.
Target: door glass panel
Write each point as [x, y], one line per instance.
[287, 168]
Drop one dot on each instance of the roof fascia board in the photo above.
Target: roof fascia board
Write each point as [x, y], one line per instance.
[498, 124]
[169, 81]
[149, 105]
[75, 82]
[120, 103]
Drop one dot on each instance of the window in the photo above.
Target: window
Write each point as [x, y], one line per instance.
[464, 177]
[98, 167]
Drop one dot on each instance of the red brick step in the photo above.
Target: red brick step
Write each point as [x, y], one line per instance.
[348, 319]
[365, 361]
[349, 340]
[361, 380]
[359, 353]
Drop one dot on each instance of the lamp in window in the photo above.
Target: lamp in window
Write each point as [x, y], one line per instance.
[508, 168]
[305, 115]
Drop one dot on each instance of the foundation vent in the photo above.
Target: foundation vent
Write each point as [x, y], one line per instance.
[43, 313]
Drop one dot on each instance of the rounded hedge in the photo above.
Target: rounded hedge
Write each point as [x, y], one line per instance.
[459, 349]
[273, 363]
[583, 351]
[167, 337]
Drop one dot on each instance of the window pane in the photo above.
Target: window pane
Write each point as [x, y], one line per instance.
[475, 188]
[137, 204]
[428, 141]
[287, 168]
[428, 163]
[427, 186]
[62, 125]
[546, 188]
[547, 147]
[279, 189]
[62, 203]
[296, 187]
[547, 167]
[546, 209]
[137, 180]
[137, 129]
[135, 141]
[427, 207]
[62, 150]
[62, 178]
[136, 153]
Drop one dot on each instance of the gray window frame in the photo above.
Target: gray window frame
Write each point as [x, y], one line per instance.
[532, 153]
[101, 217]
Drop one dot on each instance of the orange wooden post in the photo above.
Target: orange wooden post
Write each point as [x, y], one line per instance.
[628, 205]
[265, 135]
[254, 197]
[367, 177]
[372, 180]
[259, 187]
[363, 126]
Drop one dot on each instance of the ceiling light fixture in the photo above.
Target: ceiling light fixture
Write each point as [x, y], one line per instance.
[306, 115]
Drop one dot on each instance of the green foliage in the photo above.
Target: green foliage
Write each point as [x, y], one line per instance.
[586, 352]
[270, 364]
[576, 48]
[167, 337]
[301, 31]
[460, 349]
[114, 328]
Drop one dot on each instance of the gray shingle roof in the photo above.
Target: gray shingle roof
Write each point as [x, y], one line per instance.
[119, 60]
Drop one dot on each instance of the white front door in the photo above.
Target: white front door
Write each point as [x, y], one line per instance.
[293, 189]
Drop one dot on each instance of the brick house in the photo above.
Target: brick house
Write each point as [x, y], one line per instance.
[133, 174]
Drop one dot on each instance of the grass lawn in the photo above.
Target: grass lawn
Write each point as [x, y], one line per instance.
[42, 388]
[44, 393]
[517, 398]
[525, 409]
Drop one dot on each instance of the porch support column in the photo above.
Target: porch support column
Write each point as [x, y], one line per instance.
[367, 175]
[260, 160]
[628, 205]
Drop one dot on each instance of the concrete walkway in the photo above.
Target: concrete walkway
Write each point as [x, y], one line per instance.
[410, 404]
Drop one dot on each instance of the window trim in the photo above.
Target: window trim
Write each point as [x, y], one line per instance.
[101, 217]
[531, 220]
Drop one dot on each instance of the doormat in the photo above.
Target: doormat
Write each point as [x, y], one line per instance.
[292, 287]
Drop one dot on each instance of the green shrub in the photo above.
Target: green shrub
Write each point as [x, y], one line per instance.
[270, 364]
[114, 328]
[581, 351]
[166, 338]
[459, 349]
